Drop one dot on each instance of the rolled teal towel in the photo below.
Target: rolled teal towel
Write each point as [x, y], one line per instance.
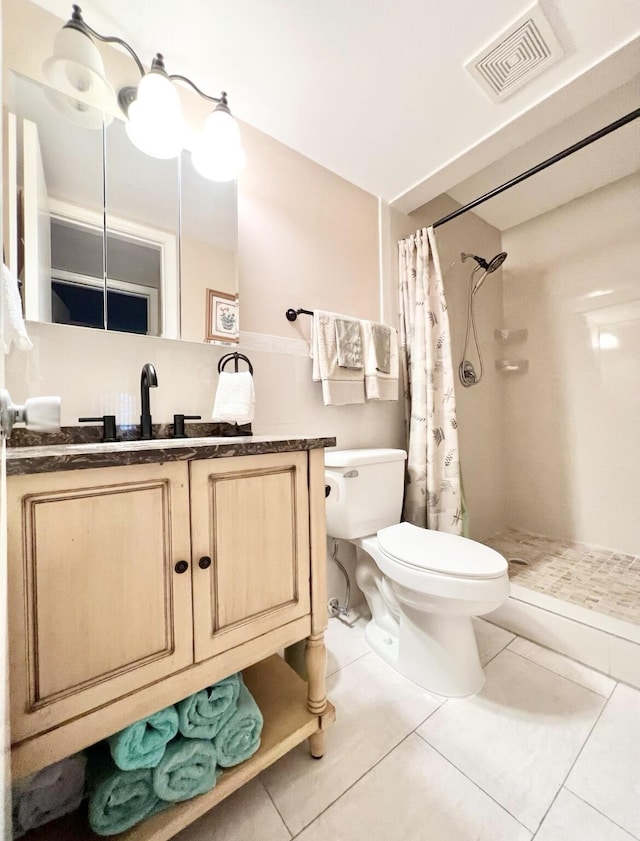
[142, 745]
[203, 714]
[188, 768]
[240, 737]
[118, 799]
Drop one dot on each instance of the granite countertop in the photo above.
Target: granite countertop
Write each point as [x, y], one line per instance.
[49, 458]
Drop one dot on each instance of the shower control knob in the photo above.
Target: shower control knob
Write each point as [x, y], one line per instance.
[204, 562]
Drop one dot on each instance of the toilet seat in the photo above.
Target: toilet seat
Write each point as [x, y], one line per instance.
[437, 552]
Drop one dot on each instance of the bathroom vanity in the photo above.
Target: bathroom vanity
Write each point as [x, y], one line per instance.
[141, 572]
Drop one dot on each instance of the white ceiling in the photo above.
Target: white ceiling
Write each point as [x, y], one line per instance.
[376, 91]
[608, 159]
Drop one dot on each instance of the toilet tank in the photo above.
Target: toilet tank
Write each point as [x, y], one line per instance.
[366, 488]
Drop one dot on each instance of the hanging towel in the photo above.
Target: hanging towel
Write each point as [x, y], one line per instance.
[349, 343]
[203, 714]
[379, 384]
[382, 345]
[240, 737]
[15, 331]
[142, 745]
[187, 769]
[235, 400]
[340, 386]
[118, 799]
[49, 794]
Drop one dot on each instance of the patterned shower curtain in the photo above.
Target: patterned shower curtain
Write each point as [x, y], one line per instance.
[433, 496]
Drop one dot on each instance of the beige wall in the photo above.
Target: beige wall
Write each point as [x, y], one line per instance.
[202, 267]
[479, 408]
[572, 421]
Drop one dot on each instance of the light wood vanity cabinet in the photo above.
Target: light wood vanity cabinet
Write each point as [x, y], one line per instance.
[250, 532]
[96, 608]
[133, 586]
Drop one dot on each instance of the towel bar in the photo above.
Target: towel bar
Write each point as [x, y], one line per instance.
[292, 314]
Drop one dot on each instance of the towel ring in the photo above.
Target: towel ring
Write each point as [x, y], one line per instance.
[235, 356]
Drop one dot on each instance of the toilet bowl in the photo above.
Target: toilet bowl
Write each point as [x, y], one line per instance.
[422, 586]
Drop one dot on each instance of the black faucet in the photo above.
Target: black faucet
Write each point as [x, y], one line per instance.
[148, 379]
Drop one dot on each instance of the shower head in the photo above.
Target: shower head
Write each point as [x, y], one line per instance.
[489, 267]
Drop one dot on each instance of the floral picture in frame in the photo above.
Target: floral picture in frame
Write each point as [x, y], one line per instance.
[222, 317]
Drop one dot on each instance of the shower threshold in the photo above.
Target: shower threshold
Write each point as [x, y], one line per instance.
[601, 580]
[574, 599]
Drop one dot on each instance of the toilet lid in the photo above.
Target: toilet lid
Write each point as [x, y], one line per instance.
[439, 552]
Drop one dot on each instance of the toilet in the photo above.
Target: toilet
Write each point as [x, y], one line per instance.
[422, 586]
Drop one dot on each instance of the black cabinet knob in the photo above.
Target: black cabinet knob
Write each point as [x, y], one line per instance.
[204, 562]
[181, 566]
[327, 490]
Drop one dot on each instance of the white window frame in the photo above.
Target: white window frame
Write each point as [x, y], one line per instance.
[169, 317]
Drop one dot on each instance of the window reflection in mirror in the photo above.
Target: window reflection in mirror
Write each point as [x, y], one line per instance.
[143, 218]
[171, 235]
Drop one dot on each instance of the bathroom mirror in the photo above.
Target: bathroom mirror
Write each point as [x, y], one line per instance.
[111, 238]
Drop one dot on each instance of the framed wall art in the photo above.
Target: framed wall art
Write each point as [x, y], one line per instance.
[222, 317]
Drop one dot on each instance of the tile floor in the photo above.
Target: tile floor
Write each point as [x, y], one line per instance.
[548, 750]
[599, 579]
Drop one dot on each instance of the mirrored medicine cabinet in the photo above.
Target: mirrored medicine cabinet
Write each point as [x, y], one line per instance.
[103, 236]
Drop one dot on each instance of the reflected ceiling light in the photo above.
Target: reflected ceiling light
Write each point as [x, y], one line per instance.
[154, 118]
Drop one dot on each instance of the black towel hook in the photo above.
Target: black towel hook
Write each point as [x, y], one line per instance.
[235, 356]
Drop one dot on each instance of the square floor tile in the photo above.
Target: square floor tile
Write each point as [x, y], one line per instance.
[558, 663]
[607, 773]
[519, 736]
[490, 638]
[344, 644]
[376, 708]
[571, 819]
[415, 795]
[247, 815]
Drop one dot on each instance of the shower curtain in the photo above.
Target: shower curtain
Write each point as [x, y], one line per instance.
[433, 496]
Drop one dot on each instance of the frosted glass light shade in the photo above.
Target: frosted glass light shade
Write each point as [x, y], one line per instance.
[217, 153]
[76, 69]
[154, 122]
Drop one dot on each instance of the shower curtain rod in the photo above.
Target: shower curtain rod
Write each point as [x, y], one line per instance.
[633, 115]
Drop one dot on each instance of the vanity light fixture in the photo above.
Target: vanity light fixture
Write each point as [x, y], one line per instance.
[154, 118]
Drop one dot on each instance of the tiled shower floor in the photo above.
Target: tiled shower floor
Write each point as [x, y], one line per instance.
[601, 580]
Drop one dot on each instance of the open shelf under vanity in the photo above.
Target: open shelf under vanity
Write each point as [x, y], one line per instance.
[282, 697]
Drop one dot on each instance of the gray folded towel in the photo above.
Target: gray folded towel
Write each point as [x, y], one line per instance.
[49, 794]
[382, 346]
[349, 343]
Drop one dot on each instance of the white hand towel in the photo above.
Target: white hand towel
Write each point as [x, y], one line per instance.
[235, 400]
[14, 326]
[49, 794]
[379, 385]
[340, 386]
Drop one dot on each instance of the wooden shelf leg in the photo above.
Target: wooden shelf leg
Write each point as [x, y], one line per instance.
[316, 662]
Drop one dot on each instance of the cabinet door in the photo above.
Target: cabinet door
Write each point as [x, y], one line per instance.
[250, 516]
[97, 609]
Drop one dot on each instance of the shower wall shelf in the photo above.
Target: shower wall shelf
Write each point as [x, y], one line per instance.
[511, 335]
[512, 366]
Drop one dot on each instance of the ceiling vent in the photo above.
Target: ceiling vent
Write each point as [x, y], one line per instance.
[516, 56]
